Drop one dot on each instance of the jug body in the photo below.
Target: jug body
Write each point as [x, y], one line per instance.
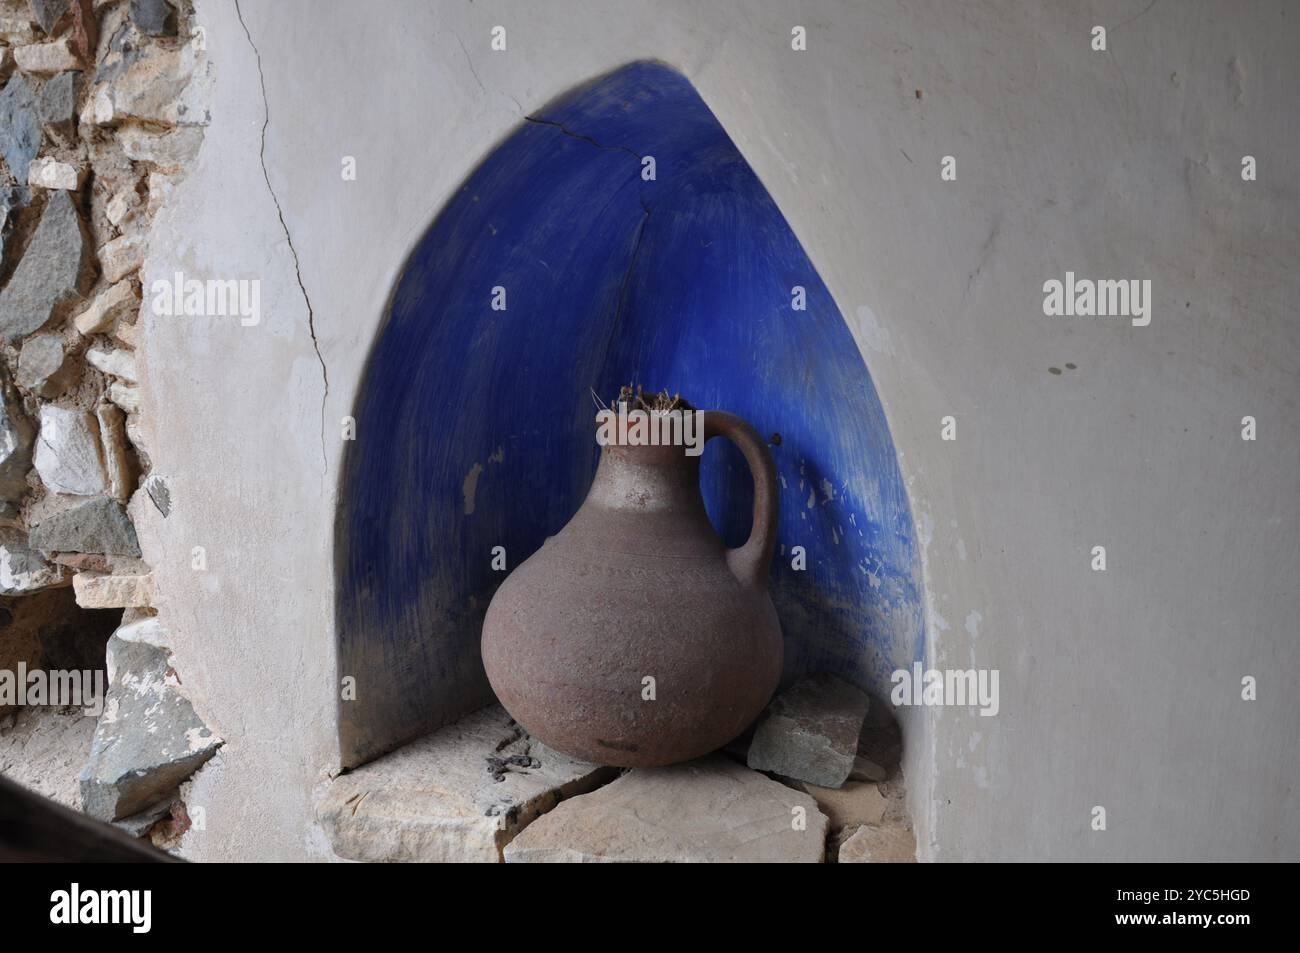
[634, 637]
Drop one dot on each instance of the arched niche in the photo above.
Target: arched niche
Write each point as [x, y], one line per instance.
[474, 425]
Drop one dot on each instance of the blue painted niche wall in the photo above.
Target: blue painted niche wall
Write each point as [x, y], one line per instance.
[474, 426]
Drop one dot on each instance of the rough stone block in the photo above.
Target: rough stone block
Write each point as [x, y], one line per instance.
[49, 173]
[68, 454]
[45, 58]
[57, 101]
[42, 366]
[125, 396]
[852, 805]
[712, 810]
[117, 454]
[879, 845]
[97, 590]
[149, 738]
[20, 126]
[106, 307]
[154, 17]
[94, 526]
[156, 84]
[52, 270]
[172, 150]
[810, 731]
[47, 12]
[122, 206]
[23, 570]
[122, 256]
[458, 794]
[114, 361]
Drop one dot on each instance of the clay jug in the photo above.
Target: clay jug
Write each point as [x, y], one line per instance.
[634, 637]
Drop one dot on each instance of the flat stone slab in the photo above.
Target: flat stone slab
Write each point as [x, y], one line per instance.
[707, 811]
[854, 804]
[879, 845]
[810, 731]
[457, 795]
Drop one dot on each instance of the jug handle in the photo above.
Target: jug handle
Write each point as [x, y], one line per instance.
[752, 562]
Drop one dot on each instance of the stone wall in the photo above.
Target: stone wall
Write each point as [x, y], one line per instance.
[101, 112]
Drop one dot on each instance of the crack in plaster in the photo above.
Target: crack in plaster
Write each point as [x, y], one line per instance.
[577, 135]
[470, 61]
[297, 267]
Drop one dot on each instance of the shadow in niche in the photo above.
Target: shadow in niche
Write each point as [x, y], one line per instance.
[474, 425]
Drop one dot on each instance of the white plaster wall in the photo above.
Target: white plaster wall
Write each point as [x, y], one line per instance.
[1119, 689]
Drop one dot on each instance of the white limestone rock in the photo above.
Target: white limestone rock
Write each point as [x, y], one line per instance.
[49, 173]
[161, 187]
[117, 455]
[127, 334]
[148, 630]
[122, 206]
[122, 256]
[106, 307]
[117, 362]
[68, 454]
[172, 151]
[125, 396]
[47, 58]
[98, 590]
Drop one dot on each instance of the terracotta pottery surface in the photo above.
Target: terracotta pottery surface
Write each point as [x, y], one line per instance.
[639, 587]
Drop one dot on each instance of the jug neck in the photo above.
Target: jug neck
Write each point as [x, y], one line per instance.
[647, 478]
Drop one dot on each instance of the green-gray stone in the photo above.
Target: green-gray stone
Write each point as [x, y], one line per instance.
[96, 526]
[51, 271]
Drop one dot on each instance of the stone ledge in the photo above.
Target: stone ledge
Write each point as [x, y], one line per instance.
[707, 811]
[459, 794]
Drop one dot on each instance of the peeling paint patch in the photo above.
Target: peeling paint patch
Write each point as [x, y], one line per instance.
[874, 334]
[469, 489]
